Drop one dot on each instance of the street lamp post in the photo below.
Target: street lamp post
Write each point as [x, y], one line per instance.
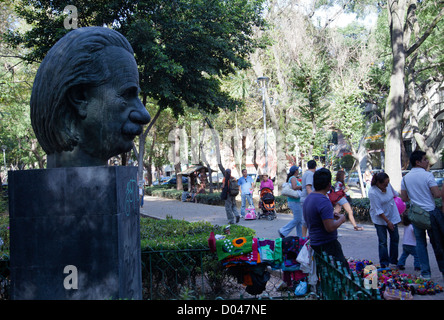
[4, 155]
[263, 83]
[4, 161]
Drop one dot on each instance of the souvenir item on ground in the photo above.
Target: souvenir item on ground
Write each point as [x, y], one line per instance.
[395, 294]
[370, 277]
[301, 289]
[392, 284]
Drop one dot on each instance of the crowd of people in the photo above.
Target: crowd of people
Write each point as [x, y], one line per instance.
[316, 215]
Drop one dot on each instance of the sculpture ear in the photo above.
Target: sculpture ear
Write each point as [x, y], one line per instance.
[77, 98]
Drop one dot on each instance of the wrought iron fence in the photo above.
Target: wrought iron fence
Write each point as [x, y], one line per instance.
[337, 283]
[194, 274]
[4, 279]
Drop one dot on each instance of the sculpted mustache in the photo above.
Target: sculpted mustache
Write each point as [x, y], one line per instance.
[131, 129]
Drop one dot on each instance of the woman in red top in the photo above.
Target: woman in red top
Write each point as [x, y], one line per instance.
[340, 185]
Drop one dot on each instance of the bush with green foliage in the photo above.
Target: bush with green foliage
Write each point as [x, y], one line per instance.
[172, 234]
[4, 236]
[175, 255]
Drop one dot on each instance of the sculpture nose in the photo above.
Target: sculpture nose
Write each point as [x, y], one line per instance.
[140, 115]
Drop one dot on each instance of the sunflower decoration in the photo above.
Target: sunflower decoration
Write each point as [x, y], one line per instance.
[239, 242]
[226, 248]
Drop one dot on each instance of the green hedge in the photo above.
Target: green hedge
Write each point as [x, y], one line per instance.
[4, 235]
[176, 257]
[172, 234]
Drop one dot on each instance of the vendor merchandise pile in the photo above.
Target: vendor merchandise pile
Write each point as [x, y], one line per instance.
[248, 258]
[393, 284]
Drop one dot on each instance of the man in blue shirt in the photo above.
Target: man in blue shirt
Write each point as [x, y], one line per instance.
[322, 221]
[246, 184]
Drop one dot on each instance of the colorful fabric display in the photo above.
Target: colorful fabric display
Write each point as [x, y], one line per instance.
[289, 277]
[251, 258]
[270, 251]
[227, 248]
[290, 250]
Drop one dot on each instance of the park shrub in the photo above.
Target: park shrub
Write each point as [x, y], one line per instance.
[361, 209]
[210, 198]
[173, 234]
[4, 237]
[175, 255]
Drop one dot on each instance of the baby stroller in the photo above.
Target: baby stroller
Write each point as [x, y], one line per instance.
[266, 205]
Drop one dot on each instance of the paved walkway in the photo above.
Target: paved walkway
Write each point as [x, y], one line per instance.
[356, 244]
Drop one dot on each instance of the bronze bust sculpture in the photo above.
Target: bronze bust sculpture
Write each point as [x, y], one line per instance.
[84, 104]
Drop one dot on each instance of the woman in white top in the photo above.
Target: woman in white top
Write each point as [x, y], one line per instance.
[385, 216]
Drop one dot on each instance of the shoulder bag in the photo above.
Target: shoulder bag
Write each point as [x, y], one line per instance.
[335, 196]
[418, 216]
[288, 191]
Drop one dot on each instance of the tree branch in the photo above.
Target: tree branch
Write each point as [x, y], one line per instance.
[153, 120]
[426, 34]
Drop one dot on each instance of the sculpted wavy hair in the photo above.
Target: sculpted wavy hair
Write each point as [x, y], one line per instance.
[75, 60]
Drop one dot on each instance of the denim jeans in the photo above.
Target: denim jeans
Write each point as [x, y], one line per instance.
[244, 197]
[387, 256]
[296, 208]
[231, 209]
[406, 251]
[436, 235]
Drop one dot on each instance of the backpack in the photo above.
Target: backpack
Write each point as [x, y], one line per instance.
[233, 187]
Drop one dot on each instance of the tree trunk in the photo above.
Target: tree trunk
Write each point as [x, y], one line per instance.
[216, 144]
[419, 137]
[177, 166]
[205, 161]
[140, 154]
[395, 101]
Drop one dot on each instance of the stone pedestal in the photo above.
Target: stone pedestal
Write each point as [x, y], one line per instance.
[75, 233]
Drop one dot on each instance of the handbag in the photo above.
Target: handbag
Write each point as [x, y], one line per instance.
[335, 196]
[288, 191]
[417, 215]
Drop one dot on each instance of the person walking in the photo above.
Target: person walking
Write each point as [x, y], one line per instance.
[340, 185]
[307, 188]
[230, 201]
[367, 178]
[246, 184]
[322, 220]
[294, 205]
[385, 216]
[419, 186]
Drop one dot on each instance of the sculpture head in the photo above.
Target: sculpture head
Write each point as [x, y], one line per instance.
[84, 104]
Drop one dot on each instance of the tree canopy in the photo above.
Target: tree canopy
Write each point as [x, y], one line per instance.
[181, 46]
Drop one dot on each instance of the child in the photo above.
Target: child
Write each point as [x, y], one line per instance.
[408, 244]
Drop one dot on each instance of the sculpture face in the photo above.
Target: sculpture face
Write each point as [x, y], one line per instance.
[84, 104]
[114, 112]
